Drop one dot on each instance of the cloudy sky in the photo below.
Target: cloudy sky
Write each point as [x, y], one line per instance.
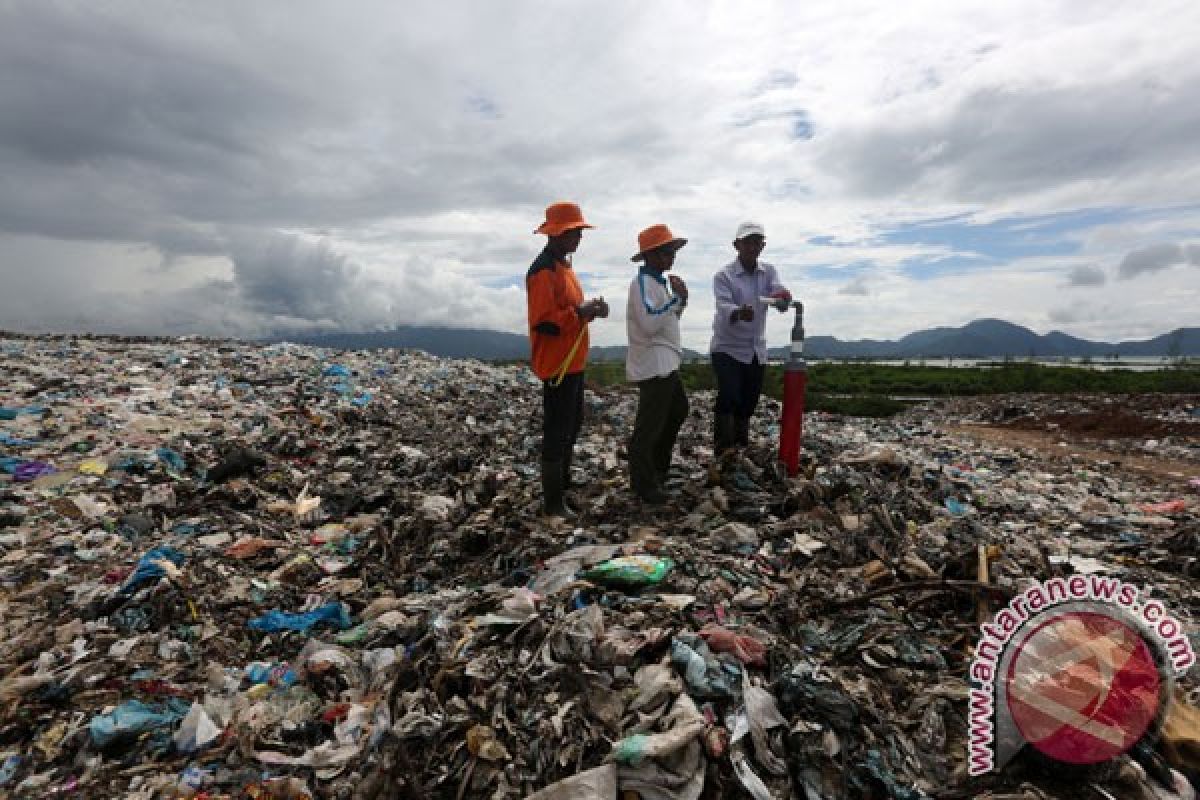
[235, 168]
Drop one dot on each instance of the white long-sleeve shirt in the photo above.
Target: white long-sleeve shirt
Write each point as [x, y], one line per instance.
[652, 325]
[733, 287]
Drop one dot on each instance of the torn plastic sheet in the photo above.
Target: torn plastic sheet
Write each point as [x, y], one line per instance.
[599, 783]
[668, 765]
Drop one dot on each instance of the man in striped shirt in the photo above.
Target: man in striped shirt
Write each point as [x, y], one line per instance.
[656, 302]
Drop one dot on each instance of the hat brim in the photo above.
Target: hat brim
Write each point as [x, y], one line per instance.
[674, 244]
[555, 230]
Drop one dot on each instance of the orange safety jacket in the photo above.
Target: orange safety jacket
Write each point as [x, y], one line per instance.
[554, 294]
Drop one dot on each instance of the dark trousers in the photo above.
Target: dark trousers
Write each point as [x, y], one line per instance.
[562, 415]
[738, 385]
[662, 408]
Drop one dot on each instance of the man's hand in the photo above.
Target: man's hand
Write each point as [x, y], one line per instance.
[592, 309]
[678, 287]
[745, 313]
[783, 299]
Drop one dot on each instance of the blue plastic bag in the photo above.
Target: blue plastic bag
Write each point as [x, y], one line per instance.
[8, 770]
[171, 459]
[706, 674]
[336, 371]
[147, 571]
[13, 413]
[14, 441]
[956, 506]
[133, 717]
[332, 614]
[274, 674]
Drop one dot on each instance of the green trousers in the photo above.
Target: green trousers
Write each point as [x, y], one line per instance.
[662, 408]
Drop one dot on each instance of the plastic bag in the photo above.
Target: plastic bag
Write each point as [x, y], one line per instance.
[151, 567]
[630, 571]
[705, 674]
[197, 731]
[172, 459]
[132, 718]
[332, 614]
[746, 649]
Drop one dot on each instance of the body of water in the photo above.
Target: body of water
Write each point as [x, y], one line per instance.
[1133, 363]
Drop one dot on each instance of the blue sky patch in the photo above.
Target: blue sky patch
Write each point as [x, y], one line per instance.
[802, 127]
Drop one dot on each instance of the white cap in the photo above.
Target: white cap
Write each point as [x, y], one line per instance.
[749, 229]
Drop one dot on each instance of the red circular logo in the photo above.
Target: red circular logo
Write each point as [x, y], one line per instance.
[1083, 687]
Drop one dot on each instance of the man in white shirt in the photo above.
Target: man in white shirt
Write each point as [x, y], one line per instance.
[652, 361]
[739, 343]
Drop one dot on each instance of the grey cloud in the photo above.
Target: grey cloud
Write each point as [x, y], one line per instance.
[1193, 254]
[207, 133]
[1084, 275]
[127, 128]
[1151, 259]
[1000, 141]
[1062, 315]
[274, 283]
[858, 287]
[288, 276]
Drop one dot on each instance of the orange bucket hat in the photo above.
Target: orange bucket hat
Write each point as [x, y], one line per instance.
[562, 217]
[654, 237]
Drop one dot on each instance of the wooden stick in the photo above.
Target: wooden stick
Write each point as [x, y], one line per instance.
[983, 609]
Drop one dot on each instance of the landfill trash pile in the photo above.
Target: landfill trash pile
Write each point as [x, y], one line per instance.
[230, 570]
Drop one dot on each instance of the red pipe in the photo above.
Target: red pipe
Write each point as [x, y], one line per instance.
[791, 429]
[795, 383]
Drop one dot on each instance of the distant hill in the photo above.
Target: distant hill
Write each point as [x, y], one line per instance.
[983, 338]
[994, 338]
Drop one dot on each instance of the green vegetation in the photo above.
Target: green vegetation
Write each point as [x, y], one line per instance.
[877, 390]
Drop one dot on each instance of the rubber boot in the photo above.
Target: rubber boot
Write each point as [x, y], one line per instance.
[724, 433]
[566, 471]
[552, 490]
[653, 496]
[741, 431]
[568, 484]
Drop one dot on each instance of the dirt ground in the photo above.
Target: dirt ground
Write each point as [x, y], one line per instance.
[1049, 443]
[1094, 429]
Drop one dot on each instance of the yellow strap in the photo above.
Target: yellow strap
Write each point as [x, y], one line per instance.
[562, 370]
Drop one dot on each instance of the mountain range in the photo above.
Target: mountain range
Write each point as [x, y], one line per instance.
[983, 338]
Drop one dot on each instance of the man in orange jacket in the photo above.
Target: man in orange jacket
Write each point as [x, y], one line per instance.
[558, 337]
